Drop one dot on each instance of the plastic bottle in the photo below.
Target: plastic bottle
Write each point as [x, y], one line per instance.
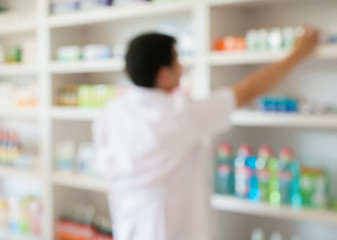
[274, 192]
[286, 156]
[265, 153]
[254, 191]
[224, 174]
[276, 236]
[275, 40]
[257, 234]
[242, 172]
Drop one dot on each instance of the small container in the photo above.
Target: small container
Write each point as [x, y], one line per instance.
[275, 40]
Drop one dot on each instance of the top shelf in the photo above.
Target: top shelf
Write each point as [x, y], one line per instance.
[244, 58]
[108, 14]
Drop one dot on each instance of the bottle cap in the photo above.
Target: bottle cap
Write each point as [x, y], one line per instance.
[286, 154]
[266, 151]
[225, 150]
[245, 150]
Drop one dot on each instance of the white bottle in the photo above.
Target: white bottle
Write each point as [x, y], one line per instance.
[275, 39]
[276, 236]
[262, 38]
[288, 34]
[251, 39]
[257, 234]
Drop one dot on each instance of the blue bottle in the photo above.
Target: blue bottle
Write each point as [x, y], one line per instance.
[224, 173]
[254, 191]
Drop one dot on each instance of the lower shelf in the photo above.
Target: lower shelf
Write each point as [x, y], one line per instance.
[237, 205]
[10, 236]
[79, 182]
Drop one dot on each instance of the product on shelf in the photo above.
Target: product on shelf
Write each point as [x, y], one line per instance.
[269, 179]
[82, 222]
[224, 175]
[62, 6]
[278, 103]
[87, 96]
[23, 96]
[182, 33]
[262, 40]
[21, 215]
[70, 159]
[11, 152]
[314, 187]
[24, 52]
[258, 234]
[242, 171]
[91, 52]
[230, 44]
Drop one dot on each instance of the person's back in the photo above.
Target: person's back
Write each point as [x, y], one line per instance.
[149, 143]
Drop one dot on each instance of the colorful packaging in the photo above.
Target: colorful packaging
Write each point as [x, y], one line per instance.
[314, 187]
[230, 44]
[224, 175]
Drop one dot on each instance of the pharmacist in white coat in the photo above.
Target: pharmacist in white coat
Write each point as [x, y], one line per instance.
[149, 141]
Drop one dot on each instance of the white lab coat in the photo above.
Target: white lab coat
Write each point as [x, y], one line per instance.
[149, 145]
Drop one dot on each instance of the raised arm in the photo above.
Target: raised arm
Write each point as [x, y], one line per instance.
[265, 79]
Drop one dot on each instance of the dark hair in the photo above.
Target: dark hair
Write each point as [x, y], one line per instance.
[147, 53]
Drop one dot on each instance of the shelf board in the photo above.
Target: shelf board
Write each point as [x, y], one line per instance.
[113, 65]
[18, 173]
[256, 118]
[135, 10]
[243, 206]
[17, 69]
[19, 113]
[11, 236]
[328, 51]
[74, 113]
[79, 182]
[18, 27]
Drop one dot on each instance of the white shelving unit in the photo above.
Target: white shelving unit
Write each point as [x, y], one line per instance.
[87, 67]
[79, 182]
[208, 67]
[17, 70]
[233, 204]
[20, 27]
[19, 173]
[73, 113]
[241, 58]
[137, 10]
[255, 118]
[24, 113]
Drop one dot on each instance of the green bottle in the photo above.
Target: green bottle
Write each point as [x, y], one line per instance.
[274, 189]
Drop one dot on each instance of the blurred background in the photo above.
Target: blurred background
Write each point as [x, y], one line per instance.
[61, 61]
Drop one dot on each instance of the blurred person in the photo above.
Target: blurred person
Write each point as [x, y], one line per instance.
[149, 141]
